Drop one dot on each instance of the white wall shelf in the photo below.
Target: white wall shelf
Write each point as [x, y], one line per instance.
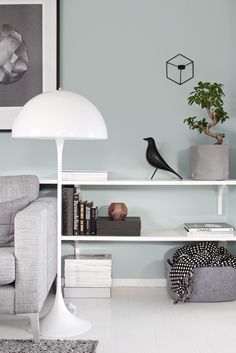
[147, 182]
[220, 184]
[153, 236]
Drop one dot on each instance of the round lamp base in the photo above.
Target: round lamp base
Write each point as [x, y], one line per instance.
[60, 323]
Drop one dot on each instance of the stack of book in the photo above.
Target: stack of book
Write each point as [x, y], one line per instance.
[79, 217]
[88, 276]
[84, 175]
[214, 229]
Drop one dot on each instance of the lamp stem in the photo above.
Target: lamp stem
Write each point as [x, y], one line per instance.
[60, 145]
[59, 322]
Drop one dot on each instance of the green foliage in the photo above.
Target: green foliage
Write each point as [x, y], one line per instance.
[208, 96]
[194, 124]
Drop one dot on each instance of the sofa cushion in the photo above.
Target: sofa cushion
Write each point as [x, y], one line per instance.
[7, 266]
[8, 211]
[15, 186]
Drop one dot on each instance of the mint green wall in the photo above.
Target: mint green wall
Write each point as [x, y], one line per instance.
[114, 53]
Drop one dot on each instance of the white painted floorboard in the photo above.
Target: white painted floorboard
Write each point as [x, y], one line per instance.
[144, 320]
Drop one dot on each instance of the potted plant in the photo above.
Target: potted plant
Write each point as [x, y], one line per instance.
[209, 162]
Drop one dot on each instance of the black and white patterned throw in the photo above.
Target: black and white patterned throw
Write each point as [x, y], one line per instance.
[185, 259]
[50, 346]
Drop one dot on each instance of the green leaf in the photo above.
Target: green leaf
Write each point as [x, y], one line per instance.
[207, 95]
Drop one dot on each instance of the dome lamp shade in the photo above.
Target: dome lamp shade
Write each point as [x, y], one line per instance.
[59, 114]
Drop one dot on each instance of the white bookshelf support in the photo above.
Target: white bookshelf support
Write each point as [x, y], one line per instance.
[77, 188]
[77, 248]
[220, 200]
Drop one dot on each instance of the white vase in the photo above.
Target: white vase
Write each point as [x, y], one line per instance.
[210, 162]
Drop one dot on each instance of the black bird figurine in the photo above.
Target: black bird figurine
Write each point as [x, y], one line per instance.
[155, 159]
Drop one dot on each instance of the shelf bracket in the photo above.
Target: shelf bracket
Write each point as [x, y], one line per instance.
[77, 249]
[77, 188]
[220, 199]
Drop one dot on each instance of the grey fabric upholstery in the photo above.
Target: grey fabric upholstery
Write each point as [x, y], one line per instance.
[8, 211]
[35, 251]
[214, 284]
[7, 266]
[12, 187]
[35, 248]
[210, 284]
[7, 298]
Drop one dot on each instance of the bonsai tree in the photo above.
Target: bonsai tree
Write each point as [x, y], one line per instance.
[208, 96]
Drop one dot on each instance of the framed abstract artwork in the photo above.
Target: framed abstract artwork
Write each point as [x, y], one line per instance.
[28, 54]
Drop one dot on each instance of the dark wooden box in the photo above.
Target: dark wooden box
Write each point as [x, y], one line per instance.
[131, 226]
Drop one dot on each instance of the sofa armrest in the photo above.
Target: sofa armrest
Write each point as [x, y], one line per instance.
[35, 251]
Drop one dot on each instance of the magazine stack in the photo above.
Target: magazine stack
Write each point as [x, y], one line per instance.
[212, 229]
[88, 276]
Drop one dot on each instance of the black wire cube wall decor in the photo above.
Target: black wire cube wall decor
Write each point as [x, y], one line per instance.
[179, 69]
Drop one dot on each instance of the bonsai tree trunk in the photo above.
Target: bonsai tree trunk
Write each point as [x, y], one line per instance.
[213, 122]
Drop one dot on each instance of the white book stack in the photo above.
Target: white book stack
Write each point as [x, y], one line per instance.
[88, 276]
[84, 175]
[209, 229]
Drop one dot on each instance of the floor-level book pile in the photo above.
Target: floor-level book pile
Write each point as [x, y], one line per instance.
[88, 276]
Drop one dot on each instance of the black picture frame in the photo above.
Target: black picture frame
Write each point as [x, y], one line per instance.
[50, 50]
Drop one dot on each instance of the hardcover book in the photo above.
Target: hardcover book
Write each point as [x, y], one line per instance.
[67, 210]
[92, 260]
[76, 213]
[88, 208]
[208, 227]
[93, 220]
[82, 217]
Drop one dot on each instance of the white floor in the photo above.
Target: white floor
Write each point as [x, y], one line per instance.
[144, 320]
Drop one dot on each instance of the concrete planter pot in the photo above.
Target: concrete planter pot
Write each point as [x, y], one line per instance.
[210, 162]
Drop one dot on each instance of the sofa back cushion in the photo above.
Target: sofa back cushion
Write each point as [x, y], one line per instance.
[8, 211]
[15, 186]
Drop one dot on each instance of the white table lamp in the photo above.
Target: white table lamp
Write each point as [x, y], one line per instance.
[60, 115]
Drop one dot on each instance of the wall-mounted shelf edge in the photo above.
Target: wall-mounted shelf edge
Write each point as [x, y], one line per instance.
[134, 182]
[221, 184]
[153, 236]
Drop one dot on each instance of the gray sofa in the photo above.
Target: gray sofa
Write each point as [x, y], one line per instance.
[28, 269]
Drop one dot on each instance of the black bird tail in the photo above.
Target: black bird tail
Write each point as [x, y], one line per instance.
[172, 171]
